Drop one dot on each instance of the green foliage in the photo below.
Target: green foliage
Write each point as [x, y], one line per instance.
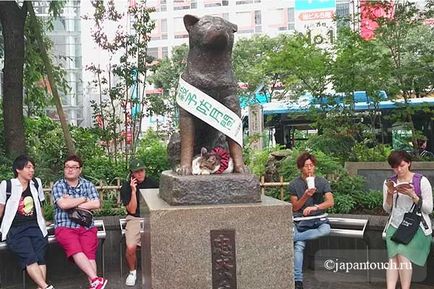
[250, 56]
[154, 153]
[45, 144]
[166, 76]
[301, 66]
[362, 153]
[346, 184]
[258, 161]
[338, 145]
[344, 204]
[326, 165]
[48, 209]
[109, 207]
[370, 199]
[123, 83]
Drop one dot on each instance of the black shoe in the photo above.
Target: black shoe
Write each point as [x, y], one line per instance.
[298, 285]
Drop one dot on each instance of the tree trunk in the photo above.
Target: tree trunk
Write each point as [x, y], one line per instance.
[49, 70]
[12, 19]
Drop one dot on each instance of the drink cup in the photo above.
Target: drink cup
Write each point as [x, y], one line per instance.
[310, 182]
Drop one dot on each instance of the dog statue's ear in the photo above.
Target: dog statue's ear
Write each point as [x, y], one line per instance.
[203, 151]
[189, 21]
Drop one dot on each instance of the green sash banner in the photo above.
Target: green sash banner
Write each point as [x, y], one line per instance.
[209, 110]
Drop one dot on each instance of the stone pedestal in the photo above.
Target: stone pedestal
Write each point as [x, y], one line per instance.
[209, 189]
[176, 244]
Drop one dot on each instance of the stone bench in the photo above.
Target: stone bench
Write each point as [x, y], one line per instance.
[101, 234]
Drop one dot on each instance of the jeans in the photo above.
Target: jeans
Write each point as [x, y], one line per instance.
[300, 239]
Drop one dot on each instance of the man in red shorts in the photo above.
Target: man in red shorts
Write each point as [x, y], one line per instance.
[79, 242]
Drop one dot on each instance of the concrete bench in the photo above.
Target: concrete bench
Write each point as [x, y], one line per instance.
[122, 226]
[101, 234]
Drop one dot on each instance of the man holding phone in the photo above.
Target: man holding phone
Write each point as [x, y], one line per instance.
[130, 195]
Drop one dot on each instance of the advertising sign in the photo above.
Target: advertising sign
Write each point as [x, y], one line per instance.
[314, 18]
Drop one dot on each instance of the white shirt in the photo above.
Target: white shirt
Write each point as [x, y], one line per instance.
[12, 204]
[404, 203]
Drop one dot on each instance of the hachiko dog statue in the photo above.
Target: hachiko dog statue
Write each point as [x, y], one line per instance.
[209, 69]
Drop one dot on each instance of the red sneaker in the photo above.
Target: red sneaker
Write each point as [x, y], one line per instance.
[98, 283]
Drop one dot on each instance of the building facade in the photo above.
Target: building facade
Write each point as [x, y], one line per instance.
[67, 51]
[269, 17]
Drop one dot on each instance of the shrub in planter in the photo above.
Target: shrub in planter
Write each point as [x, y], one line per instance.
[362, 153]
[370, 199]
[344, 204]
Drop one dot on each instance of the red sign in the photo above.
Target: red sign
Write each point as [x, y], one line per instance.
[154, 91]
[316, 15]
[429, 22]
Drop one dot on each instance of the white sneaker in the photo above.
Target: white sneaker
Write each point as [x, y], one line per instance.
[131, 279]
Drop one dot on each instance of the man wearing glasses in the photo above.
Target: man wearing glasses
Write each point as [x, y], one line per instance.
[80, 243]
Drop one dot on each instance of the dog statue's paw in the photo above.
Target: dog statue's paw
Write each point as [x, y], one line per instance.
[184, 171]
[241, 169]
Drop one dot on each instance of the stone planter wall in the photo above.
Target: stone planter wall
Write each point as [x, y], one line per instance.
[376, 172]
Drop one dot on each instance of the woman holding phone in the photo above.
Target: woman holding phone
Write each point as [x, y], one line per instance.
[400, 192]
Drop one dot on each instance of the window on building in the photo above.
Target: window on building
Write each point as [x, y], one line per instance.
[184, 4]
[258, 20]
[153, 51]
[278, 19]
[59, 25]
[245, 21]
[179, 28]
[164, 51]
[247, 2]
[163, 29]
[342, 14]
[291, 17]
[215, 3]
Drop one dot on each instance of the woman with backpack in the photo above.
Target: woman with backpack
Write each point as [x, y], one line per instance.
[23, 225]
[406, 193]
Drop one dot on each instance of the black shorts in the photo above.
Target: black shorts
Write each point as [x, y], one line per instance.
[28, 244]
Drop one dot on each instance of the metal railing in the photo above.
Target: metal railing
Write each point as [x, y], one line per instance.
[101, 188]
[280, 184]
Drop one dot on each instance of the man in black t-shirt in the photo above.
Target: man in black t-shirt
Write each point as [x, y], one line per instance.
[130, 196]
[23, 225]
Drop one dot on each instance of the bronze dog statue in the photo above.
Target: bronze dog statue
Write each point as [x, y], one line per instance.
[209, 68]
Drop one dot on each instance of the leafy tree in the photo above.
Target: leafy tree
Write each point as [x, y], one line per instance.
[301, 66]
[154, 153]
[123, 79]
[13, 16]
[409, 44]
[250, 56]
[166, 76]
[36, 86]
[51, 78]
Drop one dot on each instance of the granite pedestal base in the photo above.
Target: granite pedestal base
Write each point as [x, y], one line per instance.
[176, 244]
[209, 189]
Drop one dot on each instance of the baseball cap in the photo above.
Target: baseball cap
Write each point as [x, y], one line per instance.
[136, 165]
